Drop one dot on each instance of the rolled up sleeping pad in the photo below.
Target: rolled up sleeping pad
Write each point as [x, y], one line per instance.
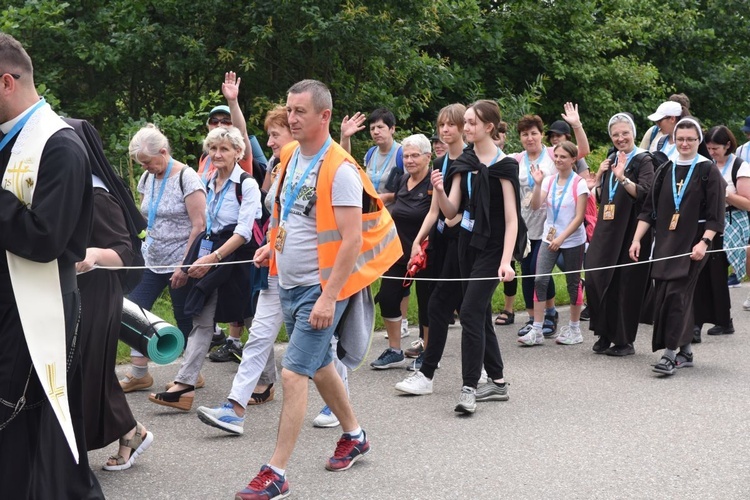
[149, 334]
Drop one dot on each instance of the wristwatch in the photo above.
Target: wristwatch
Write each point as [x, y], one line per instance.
[218, 255]
[706, 241]
[626, 181]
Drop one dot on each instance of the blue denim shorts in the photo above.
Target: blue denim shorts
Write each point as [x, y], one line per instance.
[309, 349]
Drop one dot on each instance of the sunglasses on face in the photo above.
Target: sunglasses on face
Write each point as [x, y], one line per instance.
[217, 121]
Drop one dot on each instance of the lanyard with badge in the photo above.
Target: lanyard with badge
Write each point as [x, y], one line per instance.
[556, 209]
[441, 222]
[678, 191]
[293, 190]
[466, 221]
[729, 162]
[609, 208]
[376, 175]
[153, 206]
[206, 244]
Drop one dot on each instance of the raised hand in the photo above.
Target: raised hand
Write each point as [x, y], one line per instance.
[537, 174]
[571, 114]
[350, 126]
[231, 86]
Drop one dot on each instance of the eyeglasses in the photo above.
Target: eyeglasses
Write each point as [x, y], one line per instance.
[414, 156]
[217, 121]
[686, 139]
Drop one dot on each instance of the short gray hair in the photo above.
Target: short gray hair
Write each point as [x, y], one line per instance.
[419, 141]
[148, 141]
[321, 96]
[229, 134]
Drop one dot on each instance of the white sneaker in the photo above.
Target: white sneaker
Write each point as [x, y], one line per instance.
[570, 335]
[417, 384]
[746, 304]
[326, 418]
[534, 337]
[483, 377]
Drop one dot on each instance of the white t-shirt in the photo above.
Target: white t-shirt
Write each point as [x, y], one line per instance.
[567, 211]
[726, 172]
[298, 262]
[534, 219]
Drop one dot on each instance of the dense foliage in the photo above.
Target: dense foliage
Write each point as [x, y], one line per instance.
[120, 63]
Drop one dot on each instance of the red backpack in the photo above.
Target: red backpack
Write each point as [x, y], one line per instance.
[591, 214]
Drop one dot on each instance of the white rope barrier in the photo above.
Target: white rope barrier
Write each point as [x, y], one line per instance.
[558, 273]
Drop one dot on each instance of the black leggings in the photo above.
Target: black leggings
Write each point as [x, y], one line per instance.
[392, 292]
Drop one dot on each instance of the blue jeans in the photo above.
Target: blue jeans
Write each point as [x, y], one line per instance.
[150, 288]
[309, 349]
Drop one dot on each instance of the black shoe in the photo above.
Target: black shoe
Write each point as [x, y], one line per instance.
[218, 339]
[585, 314]
[620, 350]
[228, 352]
[601, 345]
[722, 330]
[665, 366]
[696, 335]
[549, 327]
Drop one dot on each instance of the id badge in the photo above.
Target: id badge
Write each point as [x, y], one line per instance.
[551, 234]
[206, 248]
[280, 239]
[440, 226]
[673, 222]
[467, 222]
[609, 212]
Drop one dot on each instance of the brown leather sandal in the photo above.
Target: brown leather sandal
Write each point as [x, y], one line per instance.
[139, 443]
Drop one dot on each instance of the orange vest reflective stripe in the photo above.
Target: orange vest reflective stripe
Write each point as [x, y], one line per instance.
[381, 247]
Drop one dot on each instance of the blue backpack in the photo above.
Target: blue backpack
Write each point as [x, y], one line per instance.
[399, 157]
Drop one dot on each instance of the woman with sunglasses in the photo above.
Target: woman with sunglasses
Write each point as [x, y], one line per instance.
[686, 208]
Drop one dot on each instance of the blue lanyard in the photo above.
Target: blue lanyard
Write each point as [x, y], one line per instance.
[726, 165]
[468, 177]
[678, 196]
[293, 190]
[527, 161]
[671, 150]
[445, 165]
[213, 214]
[556, 210]
[152, 207]
[19, 125]
[206, 169]
[613, 188]
[375, 172]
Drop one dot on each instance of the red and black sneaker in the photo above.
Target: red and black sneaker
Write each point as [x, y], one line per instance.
[348, 451]
[267, 485]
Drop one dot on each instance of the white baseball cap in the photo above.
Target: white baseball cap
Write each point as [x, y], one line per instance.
[668, 108]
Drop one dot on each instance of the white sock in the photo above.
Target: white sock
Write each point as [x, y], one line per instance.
[575, 324]
[278, 471]
[355, 434]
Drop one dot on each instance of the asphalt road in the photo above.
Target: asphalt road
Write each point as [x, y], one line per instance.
[577, 425]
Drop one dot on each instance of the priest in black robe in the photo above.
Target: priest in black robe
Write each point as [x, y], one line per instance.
[614, 294]
[687, 211]
[35, 458]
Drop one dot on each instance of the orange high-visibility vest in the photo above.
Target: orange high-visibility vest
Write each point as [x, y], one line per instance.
[381, 247]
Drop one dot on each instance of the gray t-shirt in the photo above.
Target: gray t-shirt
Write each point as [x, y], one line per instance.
[378, 169]
[169, 235]
[298, 263]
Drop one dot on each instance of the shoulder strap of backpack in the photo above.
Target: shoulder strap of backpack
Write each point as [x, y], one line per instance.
[661, 142]
[368, 155]
[735, 168]
[238, 187]
[182, 187]
[400, 158]
[654, 133]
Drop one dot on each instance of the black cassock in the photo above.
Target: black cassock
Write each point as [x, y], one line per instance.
[614, 296]
[702, 208]
[35, 460]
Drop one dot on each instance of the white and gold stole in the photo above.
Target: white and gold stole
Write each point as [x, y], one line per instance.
[36, 285]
